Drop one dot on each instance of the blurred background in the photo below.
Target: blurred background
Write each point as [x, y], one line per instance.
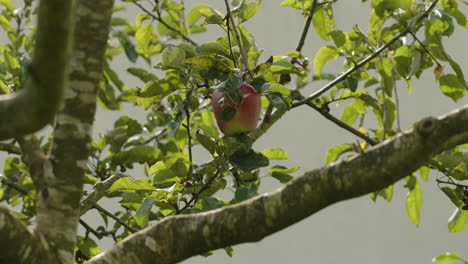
[354, 231]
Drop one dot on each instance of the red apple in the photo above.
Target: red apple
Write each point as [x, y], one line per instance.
[246, 102]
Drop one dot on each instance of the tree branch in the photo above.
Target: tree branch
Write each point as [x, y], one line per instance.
[345, 75]
[97, 192]
[58, 198]
[35, 105]
[306, 26]
[254, 219]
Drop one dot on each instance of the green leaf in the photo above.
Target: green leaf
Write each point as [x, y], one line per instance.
[278, 88]
[446, 258]
[414, 202]
[8, 4]
[451, 7]
[323, 21]
[323, 56]
[341, 40]
[207, 142]
[229, 251]
[278, 103]
[458, 221]
[210, 203]
[142, 74]
[281, 173]
[248, 160]
[275, 153]
[141, 215]
[129, 49]
[172, 57]
[160, 88]
[283, 67]
[146, 39]
[208, 66]
[335, 152]
[228, 113]
[129, 184]
[424, 172]
[213, 48]
[6, 24]
[403, 58]
[137, 154]
[385, 67]
[11, 61]
[452, 87]
[5, 89]
[247, 10]
[352, 112]
[212, 16]
[454, 196]
[194, 14]
[245, 192]
[87, 246]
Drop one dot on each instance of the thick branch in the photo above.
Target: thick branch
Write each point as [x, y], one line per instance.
[61, 190]
[34, 106]
[179, 237]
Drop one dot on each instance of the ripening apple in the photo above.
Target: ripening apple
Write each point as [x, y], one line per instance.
[241, 109]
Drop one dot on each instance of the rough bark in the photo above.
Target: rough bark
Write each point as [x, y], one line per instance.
[179, 237]
[63, 174]
[58, 177]
[34, 106]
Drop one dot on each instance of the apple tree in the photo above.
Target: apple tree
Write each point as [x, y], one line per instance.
[56, 72]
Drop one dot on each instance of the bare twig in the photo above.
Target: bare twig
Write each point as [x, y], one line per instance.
[425, 48]
[160, 20]
[306, 26]
[451, 183]
[343, 125]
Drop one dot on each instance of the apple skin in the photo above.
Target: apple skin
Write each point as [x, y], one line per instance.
[247, 111]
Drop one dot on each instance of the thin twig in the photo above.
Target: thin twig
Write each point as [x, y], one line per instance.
[452, 183]
[345, 75]
[343, 125]
[425, 48]
[189, 137]
[97, 192]
[195, 196]
[89, 229]
[160, 20]
[237, 35]
[397, 101]
[306, 26]
[229, 41]
[385, 113]
[111, 215]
